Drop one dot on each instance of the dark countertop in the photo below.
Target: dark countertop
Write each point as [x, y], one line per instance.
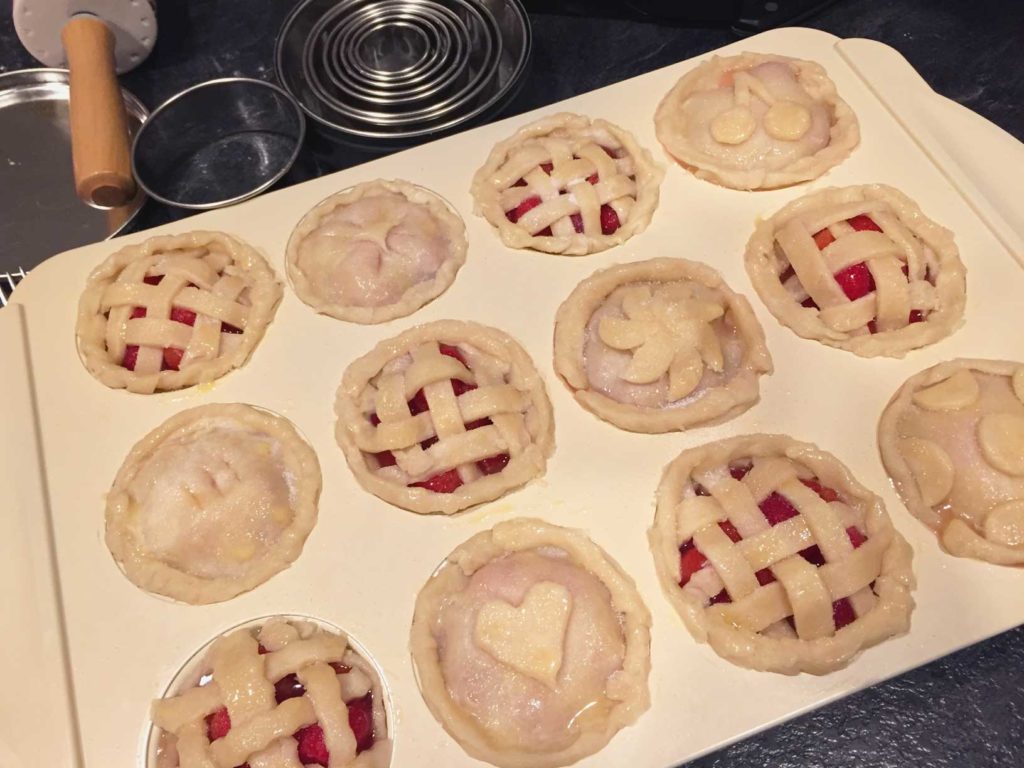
[966, 709]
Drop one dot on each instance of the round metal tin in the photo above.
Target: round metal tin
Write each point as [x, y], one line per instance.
[399, 69]
[40, 213]
[218, 143]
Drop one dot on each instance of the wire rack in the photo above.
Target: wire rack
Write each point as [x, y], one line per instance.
[8, 281]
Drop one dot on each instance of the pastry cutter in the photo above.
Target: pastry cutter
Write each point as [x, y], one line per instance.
[95, 39]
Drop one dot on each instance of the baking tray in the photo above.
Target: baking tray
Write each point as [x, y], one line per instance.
[365, 561]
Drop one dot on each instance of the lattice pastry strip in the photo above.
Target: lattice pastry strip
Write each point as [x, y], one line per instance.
[859, 268]
[444, 416]
[776, 557]
[260, 693]
[566, 184]
[174, 311]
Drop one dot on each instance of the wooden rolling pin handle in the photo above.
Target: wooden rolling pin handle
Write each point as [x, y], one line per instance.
[99, 127]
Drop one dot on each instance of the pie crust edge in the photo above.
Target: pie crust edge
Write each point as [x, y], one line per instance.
[717, 405]
[844, 132]
[649, 174]
[418, 295]
[950, 283]
[532, 463]
[890, 616]
[153, 575]
[265, 294]
[630, 682]
[957, 536]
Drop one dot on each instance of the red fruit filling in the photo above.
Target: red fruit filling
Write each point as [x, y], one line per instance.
[311, 746]
[776, 509]
[609, 218]
[855, 280]
[445, 482]
[172, 355]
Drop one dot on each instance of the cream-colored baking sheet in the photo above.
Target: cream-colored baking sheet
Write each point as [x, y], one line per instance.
[365, 560]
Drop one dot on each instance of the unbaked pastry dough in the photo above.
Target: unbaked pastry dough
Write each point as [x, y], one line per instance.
[861, 269]
[377, 251]
[444, 416]
[774, 555]
[952, 440]
[531, 646]
[567, 184]
[212, 503]
[258, 695]
[756, 121]
[660, 345]
[174, 311]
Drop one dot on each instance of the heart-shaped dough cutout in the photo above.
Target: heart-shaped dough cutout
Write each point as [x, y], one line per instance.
[529, 638]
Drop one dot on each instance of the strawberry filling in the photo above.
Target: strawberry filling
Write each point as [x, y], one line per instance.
[776, 509]
[855, 280]
[172, 355]
[449, 481]
[311, 746]
[609, 218]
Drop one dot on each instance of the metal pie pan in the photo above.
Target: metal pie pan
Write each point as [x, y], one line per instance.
[218, 143]
[42, 213]
[399, 69]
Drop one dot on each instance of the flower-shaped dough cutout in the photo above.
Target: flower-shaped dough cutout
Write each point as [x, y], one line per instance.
[660, 345]
[670, 331]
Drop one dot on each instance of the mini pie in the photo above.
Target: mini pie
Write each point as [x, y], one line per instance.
[281, 693]
[377, 251]
[566, 184]
[531, 646]
[212, 503]
[443, 417]
[861, 269]
[774, 554]
[174, 311]
[756, 121]
[952, 440]
[660, 345]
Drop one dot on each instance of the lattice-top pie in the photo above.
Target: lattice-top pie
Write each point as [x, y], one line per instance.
[279, 693]
[377, 251]
[175, 311]
[444, 416]
[569, 185]
[212, 503]
[773, 554]
[859, 268]
[531, 646]
[952, 440]
[660, 345]
[756, 121]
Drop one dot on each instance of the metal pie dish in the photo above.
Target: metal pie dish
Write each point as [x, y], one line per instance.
[37, 187]
[399, 69]
[218, 143]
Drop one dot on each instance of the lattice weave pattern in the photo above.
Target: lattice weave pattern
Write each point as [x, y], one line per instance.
[567, 183]
[766, 578]
[190, 299]
[466, 413]
[260, 729]
[859, 265]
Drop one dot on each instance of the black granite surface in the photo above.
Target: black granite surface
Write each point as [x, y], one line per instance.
[965, 710]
